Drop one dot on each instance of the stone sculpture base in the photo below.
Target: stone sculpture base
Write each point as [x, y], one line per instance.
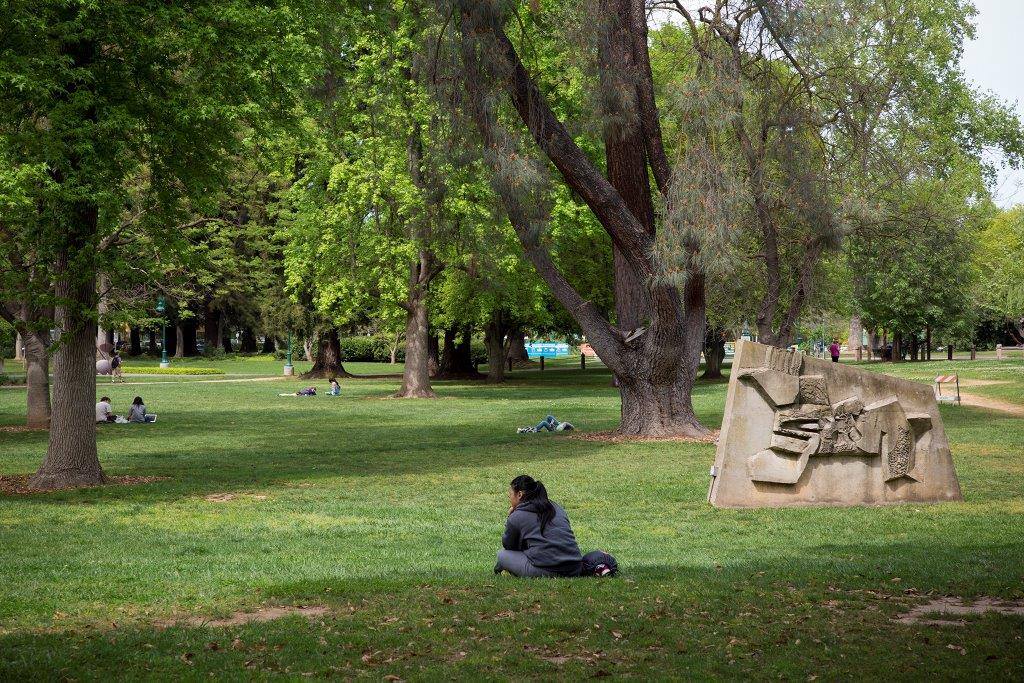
[805, 431]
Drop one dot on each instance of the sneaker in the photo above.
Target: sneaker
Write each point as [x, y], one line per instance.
[524, 430]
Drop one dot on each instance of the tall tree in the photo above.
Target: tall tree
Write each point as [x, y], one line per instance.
[102, 93]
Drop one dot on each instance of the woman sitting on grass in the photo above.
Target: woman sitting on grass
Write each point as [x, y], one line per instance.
[538, 539]
[138, 413]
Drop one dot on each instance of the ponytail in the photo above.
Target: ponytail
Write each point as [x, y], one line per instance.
[534, 491]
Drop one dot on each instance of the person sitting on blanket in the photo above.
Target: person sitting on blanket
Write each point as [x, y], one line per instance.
[335, 388]
[549, 423]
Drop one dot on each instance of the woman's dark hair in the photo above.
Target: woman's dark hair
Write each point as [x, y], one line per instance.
[332, 380]
[137, 401]
[534, 490]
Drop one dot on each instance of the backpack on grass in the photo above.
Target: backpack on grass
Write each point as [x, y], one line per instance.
[599, 563]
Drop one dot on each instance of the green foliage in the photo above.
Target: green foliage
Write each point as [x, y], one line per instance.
[999, 261]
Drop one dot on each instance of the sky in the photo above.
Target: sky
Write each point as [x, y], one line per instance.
[993, 62]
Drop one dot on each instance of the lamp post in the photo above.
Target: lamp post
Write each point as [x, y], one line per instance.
[289, 369]
[161, 306]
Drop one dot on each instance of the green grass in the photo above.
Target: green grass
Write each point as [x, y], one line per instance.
[389, 512]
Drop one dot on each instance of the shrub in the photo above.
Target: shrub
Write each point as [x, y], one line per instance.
[141, 370]
[214, 353]
[369, 350]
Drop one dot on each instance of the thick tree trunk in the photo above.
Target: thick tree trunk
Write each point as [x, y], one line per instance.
[307, 349]
[71, 458]
[897, 347]
[714, 352]
[153, 350]
[19, 353]
[134, 342]
[416, 375]
[949, 351]
[913, 347]
[928, 343]
[497, 350]
[457, 357]
[37, 379]
[101, 309]
[225, 335]
[268, 344]
[327, 362]
[517, 347]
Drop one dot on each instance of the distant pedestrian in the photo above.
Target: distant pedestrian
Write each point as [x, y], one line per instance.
[116, 372]
[834, 350]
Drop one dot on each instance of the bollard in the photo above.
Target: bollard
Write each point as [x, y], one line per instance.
[583, 361]
[542, 363]
[999, 352]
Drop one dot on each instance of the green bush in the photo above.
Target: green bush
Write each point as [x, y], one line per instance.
[369, 350]
[214, 353]
[142, 370]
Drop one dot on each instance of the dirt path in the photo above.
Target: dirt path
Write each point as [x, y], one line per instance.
[976, 401]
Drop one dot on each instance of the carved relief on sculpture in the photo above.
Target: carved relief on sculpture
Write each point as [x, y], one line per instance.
[809, 423]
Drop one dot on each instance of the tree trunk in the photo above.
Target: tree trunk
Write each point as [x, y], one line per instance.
[714, 352]
[433, 355]
[856, 334]
[949, 351]
[328, 357]
[457, 358]
[179, 340]
[928, 342]
[248, 342]
[101, 309]
[517, 347]
[914, 356]
[897, 347]
[37, 378]
[416, 375]
[19, 354]
[188, 338]
[134, 342]
[497, 350]
[153, 350]
[211, 328]
[225, 335]
[268, 344]
[307, 349]
[71, 458]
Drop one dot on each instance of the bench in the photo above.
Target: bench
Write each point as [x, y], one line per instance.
[953, 399]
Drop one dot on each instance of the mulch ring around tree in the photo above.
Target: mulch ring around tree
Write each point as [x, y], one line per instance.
[613, 436]
[17, 484]
[20, 429]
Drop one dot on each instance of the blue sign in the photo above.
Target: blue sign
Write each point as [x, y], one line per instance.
[547, 349]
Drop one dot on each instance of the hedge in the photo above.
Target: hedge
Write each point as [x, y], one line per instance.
[140, 370]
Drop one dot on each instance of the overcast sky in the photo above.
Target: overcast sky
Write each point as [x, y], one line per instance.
[994, 62]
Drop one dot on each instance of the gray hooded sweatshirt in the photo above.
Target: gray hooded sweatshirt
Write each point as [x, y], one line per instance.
[555, 550]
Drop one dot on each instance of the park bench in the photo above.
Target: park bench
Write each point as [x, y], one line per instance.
[947, 398]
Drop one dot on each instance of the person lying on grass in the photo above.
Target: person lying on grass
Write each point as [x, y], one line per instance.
[538, 540]
[549, 423]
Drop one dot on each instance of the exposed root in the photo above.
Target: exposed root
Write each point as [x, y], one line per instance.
[615, 436]
[415, 393]
[20, 485]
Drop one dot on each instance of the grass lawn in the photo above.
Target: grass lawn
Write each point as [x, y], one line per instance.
[389, 513]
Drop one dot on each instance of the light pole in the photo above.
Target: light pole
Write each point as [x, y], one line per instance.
[161, 306]
[289, 369]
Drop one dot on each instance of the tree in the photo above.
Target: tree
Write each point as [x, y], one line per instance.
[97, 94]
[656, 369]
[999, 261]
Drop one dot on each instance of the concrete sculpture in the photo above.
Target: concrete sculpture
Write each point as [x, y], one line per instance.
[804, 431]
